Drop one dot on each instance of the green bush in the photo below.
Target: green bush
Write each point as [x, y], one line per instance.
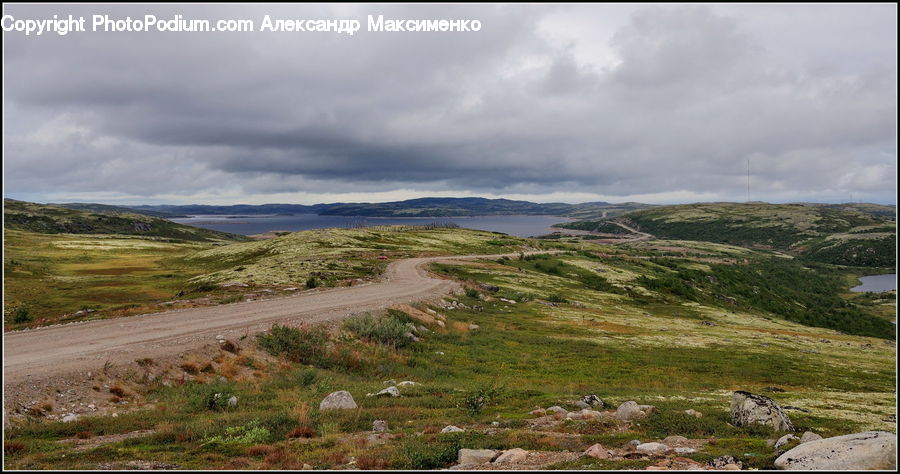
[21, 315]
[416, 454]
[472, 293]
[480, 398]
[388, 329]
[249, 434]
[311, 282]
[297, 345]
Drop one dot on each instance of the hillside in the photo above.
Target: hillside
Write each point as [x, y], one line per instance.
[424, 207]
[48, 219]
[853, 235]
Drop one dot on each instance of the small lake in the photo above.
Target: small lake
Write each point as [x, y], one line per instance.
[876, 283]
[520, 225]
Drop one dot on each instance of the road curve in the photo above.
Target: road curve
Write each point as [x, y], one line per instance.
[57, 350]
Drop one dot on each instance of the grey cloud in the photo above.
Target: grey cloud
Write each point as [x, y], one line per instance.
[697, 91]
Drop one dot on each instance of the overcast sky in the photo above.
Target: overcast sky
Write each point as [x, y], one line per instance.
[573, 103]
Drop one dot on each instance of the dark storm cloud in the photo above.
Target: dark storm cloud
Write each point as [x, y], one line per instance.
[692, 93]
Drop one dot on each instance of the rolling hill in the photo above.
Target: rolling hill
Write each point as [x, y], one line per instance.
[48, 219]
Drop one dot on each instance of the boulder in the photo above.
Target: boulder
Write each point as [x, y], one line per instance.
[809, 436]
[379, 426]
[725, 462]
[869, 450]
[476, 456]
[406, 383]
[785, 440]
[452, 429]
[597, 451]
[630, 410]
[593, 400]
[69, 417]
[511, 456]
[685, 451]
[748, 408]
[340, 400]
[581, 405]
[232, 401]
[390, 391]
[694, 413]
[557, 410]
[652, 448]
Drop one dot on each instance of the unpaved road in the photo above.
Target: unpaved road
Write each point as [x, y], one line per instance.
[41, 353]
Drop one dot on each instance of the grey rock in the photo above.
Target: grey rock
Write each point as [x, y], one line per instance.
[722, 462]
[390, 391]
[630, 410]
[685, 451]
[584, 406]
[785, 440]
[340, 400]
[558, 410]
[597, 451]
[809, 436]
[748, 408]
[694, 413]
[233, 401]
[652, 448]
[511, 456]
[593, 400]
[476, 456]
[452, 429]
[379, 426]
[869, 450]
[69, 417]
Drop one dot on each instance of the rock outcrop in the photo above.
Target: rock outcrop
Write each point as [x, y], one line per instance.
[869, 450]
[340, 400]
[748, 408]
[630, 410]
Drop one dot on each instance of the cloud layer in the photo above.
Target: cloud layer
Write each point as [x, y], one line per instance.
[576, 102]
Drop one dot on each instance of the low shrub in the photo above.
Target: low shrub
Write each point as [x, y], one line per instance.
[388, 329]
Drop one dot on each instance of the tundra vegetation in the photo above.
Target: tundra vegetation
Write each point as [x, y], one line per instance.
[671, 323]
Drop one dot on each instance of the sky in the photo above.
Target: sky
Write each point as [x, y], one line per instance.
[549, 103]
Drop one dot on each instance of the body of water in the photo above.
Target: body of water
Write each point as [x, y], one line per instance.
[520, 226]
[876, 283]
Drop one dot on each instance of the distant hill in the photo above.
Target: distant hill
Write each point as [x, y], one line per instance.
[108, 209]
[849, 234]
[48, 219]
[423, 207]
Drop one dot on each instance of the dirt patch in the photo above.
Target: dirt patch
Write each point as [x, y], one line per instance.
[91, 443]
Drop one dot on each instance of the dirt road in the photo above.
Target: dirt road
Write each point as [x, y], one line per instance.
[53, 351]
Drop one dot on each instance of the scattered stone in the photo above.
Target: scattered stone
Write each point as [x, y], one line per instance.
[340, 400]
[809, 436]
[233, 401]
[69, 417]
[785, 440]
[391, 391]
[748, 408]
[694, 413]
[440, 323]
[869, 450]
[707, 323]
[476, 456]
[538, 412]
[630, 410]
[489, 287]
[511, 456]
[473, 327]
[452, 429]
[890, 419]
[593, 400]
[586, 414]
[725, 462]
[406, 383]
[220, 337]
[558, 410]
[379, 426]
[580, 404]
[634, 443]
[652, 448]
[597, 451]
[685, 451]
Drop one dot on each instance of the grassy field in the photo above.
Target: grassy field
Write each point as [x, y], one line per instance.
[851, 235]
[609, 321]
[54, 278]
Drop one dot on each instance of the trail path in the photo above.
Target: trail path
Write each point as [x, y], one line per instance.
[32, 355]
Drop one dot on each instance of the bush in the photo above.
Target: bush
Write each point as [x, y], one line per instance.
[297, 345]
[472, 293]
[420, 455]
[251, 433]
[477, 400]
[21, 315]
[557, 298]
[311, 282]
[388, 329]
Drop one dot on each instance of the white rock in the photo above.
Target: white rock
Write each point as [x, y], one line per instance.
[869, 450]
[685, 450]
[748, 408]
[652, 448]
[340, 400]
[476, 456]
[785, 440]
[511, 456]
[69, 417]
[390, 391]
[232, 401]
[452, 429]
[630, 410]
[379, 426]
[809, 436]
[406, 383]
